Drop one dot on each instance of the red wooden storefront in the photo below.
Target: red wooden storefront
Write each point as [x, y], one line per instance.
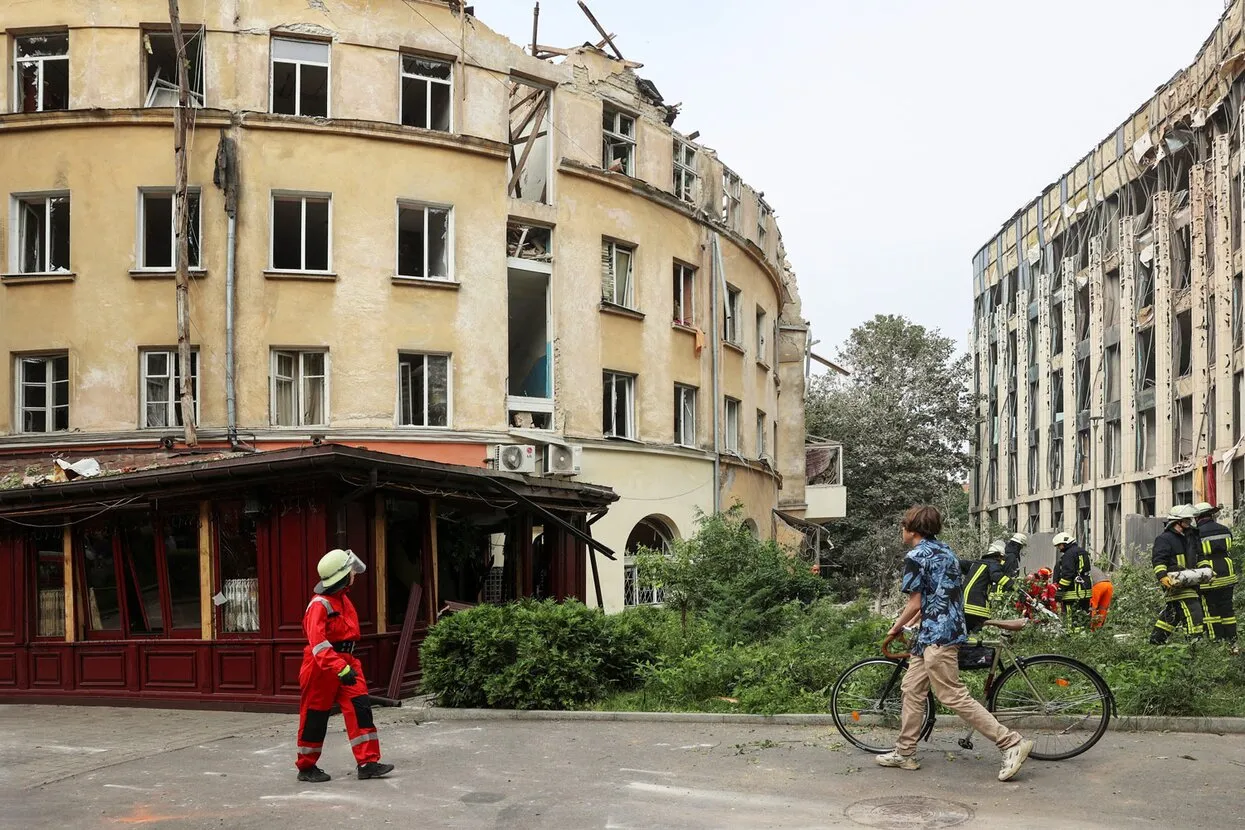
[187, 584]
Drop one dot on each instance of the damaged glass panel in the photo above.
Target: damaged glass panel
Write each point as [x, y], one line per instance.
[684, 295]
[685, 415]
[732, 200]
[43, 392]
[617, 282]
[732, 331]
[161, 388]
[685, 178]
[161, 68]
[427, 93]
[43, 234]
[300, 77]
[423, 390]
[731, 435]
[618, 405]
[159, 233]
[42, 69]
[618, 141]
[424, 242]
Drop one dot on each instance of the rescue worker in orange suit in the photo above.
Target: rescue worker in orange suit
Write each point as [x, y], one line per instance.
[1216, 554]
[1075, 589]
[1171, 554]
[331, 674]
[1100, 601]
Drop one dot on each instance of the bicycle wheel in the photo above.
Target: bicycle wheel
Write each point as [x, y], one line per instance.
[1060, 704]
[867, 701]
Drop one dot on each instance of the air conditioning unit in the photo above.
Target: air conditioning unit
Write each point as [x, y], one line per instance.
[563, 461]
[515, 458]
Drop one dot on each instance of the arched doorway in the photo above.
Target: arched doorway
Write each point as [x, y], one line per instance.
[652, 533]
[751, 527]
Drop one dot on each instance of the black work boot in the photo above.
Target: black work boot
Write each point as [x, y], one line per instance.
[373, 769]
[315, 775]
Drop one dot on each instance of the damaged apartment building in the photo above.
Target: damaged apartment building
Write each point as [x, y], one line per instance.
[1108, 330]
[408, 235]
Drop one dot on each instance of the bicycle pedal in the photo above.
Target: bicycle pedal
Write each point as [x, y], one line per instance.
[965, 744]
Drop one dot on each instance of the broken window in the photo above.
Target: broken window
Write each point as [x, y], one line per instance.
[1082, 313]
[160, 59]
[1146, 497]
[1080, 467]
[1111, 370]
[618, 405]
[161, 387]
[1082, 384]
[1182, 253]
[529, 141]
[299, 389]
[617, 141]
[42, 234]
[300, 77]
[1212, 325]
[762, 350]
[530, 349]
[685, 178]
[1238, 313]
[617, 279]
[1144, 278]
[1238, 389]
[1112, 523]
[1182, 343]
[732, 200]
[763, 215]
[1056, 396]
[761, 448]
[1183, 428]
[529, 242]
[157, 223]
[300, 232]
[1234, 213]
[1034, 518]
[730, 436]
[685, 415]
[732, 331]
[1111, 299]
[1145, 359]
[1147, 444]
[423, 390]
[427, 93]
[42, 70]
[684, 295]
[424, 242]
[1033, 342]
[1056, 513]
[1182, 489]
[1112, 445]
[43, 392]
[1212, 420]
[1056, 328]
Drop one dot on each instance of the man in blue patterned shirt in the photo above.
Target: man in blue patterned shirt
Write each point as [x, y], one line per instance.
[934, 585]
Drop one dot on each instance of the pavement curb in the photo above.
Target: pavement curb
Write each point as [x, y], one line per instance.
[1132, 723]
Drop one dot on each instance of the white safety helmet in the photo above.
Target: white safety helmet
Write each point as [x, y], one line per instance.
[997, 548]
[1020, 539]
[1063, 539]
[1203, 508]
[335, 566]
[1181, 513]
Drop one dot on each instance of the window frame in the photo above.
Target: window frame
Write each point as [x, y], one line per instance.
[403, 75]
[628, 382]
[629, 300]
[617, 115]
[18, 60]
[762, 433]
[302, 197]
[174, 402]
[732, 332]
[298, 75]
[17, 237]
[449, 391]
[198, 100]
[410, 204]
[686, 176]
[194, 194]
[762, 344]
[763, 214]
[731, 436]
[682, 392]
[49, 391]
[299, 381]
[732, 199]
[682, 273]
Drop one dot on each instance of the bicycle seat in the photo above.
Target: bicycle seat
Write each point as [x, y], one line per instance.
[1008, 625]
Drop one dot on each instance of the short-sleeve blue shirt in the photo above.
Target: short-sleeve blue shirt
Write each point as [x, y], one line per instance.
[932, 569]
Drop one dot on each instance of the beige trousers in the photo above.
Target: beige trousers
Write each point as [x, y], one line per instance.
[939, 668]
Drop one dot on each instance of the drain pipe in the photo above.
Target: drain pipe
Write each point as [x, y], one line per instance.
[716, 302]
[226, 178]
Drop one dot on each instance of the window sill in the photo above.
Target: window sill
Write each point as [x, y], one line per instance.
[761, 364]
[683, 327]
[164, 273]
[427, 282]
[735, 347]
[309, 276]
[43, 276]
[621, 310]
[626, 439]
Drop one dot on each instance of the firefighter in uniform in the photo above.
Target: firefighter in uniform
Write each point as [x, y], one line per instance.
[1011, 555]
[1072, 580]
[1216, 554]
[1171, 553]
[983, 580]
[331, 674]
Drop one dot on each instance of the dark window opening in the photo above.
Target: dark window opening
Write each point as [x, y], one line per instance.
[427, 93]
[42, 72]
[1182, 345]
[300, 233]
[161, 67]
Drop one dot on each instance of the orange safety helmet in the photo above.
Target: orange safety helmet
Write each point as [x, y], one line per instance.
[1043, 572]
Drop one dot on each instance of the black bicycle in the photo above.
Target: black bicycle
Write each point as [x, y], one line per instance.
[1061, 704]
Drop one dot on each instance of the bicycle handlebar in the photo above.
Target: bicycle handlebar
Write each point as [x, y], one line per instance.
[902, 637]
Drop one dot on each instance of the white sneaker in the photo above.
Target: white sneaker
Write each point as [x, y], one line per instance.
[1013, 758]
[894, 759]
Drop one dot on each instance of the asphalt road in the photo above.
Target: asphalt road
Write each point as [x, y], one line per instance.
[88, 767]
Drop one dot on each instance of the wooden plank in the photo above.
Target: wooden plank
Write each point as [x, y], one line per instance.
[432, 578]
[380, 565]
[601, 29]
[527, 147]
[67, 544]
[404, 642]
[207, 578]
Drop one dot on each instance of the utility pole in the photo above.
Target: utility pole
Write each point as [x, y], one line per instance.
[181, 214]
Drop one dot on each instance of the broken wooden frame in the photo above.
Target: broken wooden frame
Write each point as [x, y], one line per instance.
[529, 136]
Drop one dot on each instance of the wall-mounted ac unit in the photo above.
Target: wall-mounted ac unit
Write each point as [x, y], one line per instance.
[515, 458]
[563, 461]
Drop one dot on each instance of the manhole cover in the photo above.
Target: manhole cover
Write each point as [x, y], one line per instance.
[908, 813]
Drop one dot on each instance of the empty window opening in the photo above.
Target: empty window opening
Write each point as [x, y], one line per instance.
[1184, 429]
[1056, 396]
[1056, 514]
[424, 242]
[762, 449]
[42, 70]
[529, 242]
[1111, 299]
[1146, 498]
[1238, 389]
[299, 388]
[1143, 278]
[1211, 234]
[160, 58]
[1033, 343]
[427, 93]
[617, 277]
[1234, 214]
[530, 146]
[1147, 435]
[686, 180]
[1055, 461]
[1238, 314]
[618, 405]
[732, 331]
[1145, 359]
[1034, 518]
[1083, 387]
[732, 200]
[763, 215]
[300, 233]
[684, 295]
[617, 141]
[42, 234]
[530, 351]
[1080, 464]
[1182, 343]
[1082, 313]
[423, 390]
[158, 246]
[762, 345]
[161, 389]
[1056, 328]
[1113, 523]
[1212, 325]
[1111, 372]
[1182, 489]
[1182, 254]
[1112, 456]
[300, 77]
[685, 415]
[43, 392]
[1212, 420]
[1084, 520]
[1011, 283]
[731, 425]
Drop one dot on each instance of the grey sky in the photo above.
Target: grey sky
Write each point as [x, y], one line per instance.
[892, 137]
